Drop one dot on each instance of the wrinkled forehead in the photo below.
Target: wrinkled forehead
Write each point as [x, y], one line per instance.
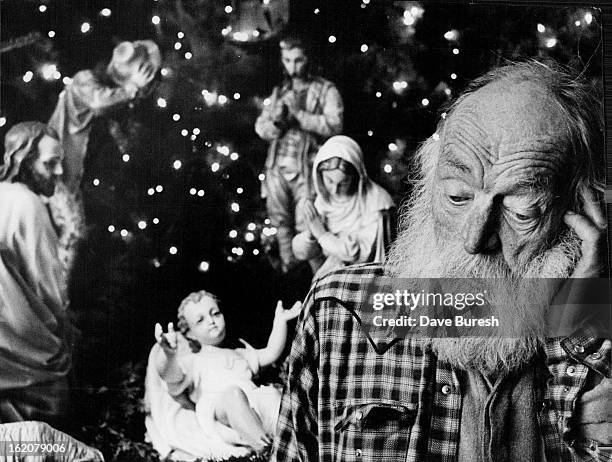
[507, 118]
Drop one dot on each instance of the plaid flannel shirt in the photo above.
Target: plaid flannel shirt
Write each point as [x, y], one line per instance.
[350, 397]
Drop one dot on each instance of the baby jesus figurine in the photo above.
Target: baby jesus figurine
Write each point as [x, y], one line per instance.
[220, 380]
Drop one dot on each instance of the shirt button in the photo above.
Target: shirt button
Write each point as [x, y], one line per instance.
[571, 371]
[358, 453]
[579, 349]
[446, 389]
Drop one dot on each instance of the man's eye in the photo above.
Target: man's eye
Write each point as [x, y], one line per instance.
[521, 217]
[458, 200]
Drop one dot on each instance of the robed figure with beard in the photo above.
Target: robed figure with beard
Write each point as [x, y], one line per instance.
[507, 191]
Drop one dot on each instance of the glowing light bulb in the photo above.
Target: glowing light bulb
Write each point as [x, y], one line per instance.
[588, 18]
[451, 35]
[42, 8]
[200, 193]
[455, 51]
[178, 45]
[124, 233]
[233, 233]
[261, 177]
[150, 191]
[215, 166]
[249, 237]
[236, 95]
[85, 27]
[392, 147]
[193, 191]
[255, 251]
[180, 35]
[111, 229]
[66, 80]
[159, 188]
[156, 20]
[388, 168]
[161, 102]
[51, 33]
[204, 266]
[176, 117]
[370, 133]
[188, 55]
[142, 224]
[125, 158]
[222, 99]
[228, 9]
[436, 137]
[177, 164]
[541, 28]
[251, 226]
[317, 11]
[239, 190]
[551, 42]
[453, 76]
[235, 207]
[378, 94]
[332, 39]
[234, 156]
[106, 12]
[196, 131]
[155, 221]
[184, 132]
[173, 250]
[96, 182]
[425, 102]
[364, 48]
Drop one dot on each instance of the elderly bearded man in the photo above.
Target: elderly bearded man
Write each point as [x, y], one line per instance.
[34, 328]
[514, 154]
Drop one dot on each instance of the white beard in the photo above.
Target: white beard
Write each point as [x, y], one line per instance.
[416, 254]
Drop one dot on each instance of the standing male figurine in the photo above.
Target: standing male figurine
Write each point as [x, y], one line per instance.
[302, 113]
[35, 355]
[507, 192]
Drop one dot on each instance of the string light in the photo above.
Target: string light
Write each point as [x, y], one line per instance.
[51, 33]
[388, 168]
[228, 9]
[111, 229]
[215, 166]
[233, 233]
[85, 27]
[370, 133]
[378, 94]
[235, 207]
[588, 18]
[150, 191]
[42, 8]
[239, 190]
[142, 224]
[180, 35]
[124, 233]
[28, 76]
[204, 266]
[223, 150]
[448, 91]
[165, 72]
[161, 102]
[159, 188]
[392, 147]
[2, 121]
[67, 80]
[178, 45]
[453, 76]
[176, 117]
[222, 99]
[196, 131]
[155, 221]
[184, 132]
[241, 36]
[156, 263]
[234, 156]
[317, 11]
[173, 250]
[332, 39]
[364, 48]
[551, 42]
[249, 237]
[125, 158]
[96, 182]
[193, 191]
[255, 251]
[188, 55]
[455, 51]
[425, 102]
[236, 95]
[451, 35]
[266, 102]
[267, 221]
[156, 20]
[226, 30]
[177, 164]
[577, 23]
[200, 193]
[193, 137]
[48, 70]
[251, 226]
[261, 177]
[400, 85]
[106, 12]
[541, 28]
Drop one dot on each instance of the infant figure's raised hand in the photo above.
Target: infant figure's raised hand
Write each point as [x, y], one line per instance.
[167, 341]
[287, 315]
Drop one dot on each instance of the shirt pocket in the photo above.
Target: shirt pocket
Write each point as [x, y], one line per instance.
[373, 429]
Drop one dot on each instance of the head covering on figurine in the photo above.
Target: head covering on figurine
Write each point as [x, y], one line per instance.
[128, 57]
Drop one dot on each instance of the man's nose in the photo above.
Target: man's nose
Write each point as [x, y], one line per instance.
[480, 229]
[58, 170]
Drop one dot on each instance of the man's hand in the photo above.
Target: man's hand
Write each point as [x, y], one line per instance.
[290, 102]
[287, 315]
[168, 342]
[590, 228]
